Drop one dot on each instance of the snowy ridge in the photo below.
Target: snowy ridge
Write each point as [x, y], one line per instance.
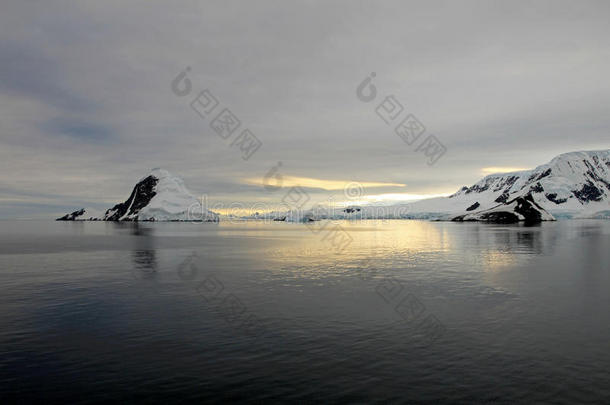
[571, 184]
[575, 184]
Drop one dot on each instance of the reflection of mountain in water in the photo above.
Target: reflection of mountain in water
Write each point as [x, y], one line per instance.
[143, 253]
[518, 239]
[492, 247]
[521, 240]
[146, 262]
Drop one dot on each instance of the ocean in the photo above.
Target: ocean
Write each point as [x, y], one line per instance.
[399, 311]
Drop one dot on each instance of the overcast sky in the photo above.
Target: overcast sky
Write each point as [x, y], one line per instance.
[86, 106]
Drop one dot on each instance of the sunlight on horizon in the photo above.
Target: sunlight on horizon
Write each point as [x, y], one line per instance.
[496, 170]
[309, 182]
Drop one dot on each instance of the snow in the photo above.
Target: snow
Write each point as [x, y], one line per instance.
[561, 176]
[172, 202]
[571, 185]
[558, 179]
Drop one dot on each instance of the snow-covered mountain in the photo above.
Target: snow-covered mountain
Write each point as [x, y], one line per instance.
[159, 196]
[575, 184]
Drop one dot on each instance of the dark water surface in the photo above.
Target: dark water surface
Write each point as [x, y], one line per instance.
[158, 312]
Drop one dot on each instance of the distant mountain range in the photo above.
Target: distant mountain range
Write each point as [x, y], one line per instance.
[572, 185]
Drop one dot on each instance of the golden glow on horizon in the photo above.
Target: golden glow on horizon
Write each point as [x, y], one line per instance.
[493, 170]
[407, 197]
[242, 209]
[308, 182]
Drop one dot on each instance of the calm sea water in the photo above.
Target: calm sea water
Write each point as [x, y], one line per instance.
[397, 311]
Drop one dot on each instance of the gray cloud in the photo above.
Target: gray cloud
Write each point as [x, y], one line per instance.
[32, 74]
[86, 107]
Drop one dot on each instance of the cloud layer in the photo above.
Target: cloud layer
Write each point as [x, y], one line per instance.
[86, 107]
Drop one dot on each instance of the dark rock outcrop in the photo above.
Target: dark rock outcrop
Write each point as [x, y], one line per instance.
[141, 195]
[502, 198]
[527, 207]
[516, 210]
[588, 192]
[473, 206]
[72, 216]
[553, 197]
[502, 217]
[545, 174]
[537, 188]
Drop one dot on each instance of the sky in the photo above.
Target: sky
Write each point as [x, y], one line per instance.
[87, 105]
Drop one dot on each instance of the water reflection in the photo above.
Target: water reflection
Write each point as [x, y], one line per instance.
[517, 301]
[146, 262]
[143, 253]
[405, 244]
